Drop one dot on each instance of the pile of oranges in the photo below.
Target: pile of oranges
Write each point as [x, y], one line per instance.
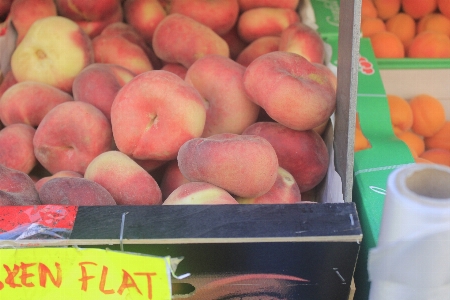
[420, 122]
[407, 28]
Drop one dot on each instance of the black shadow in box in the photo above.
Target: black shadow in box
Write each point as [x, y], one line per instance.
[303, 251]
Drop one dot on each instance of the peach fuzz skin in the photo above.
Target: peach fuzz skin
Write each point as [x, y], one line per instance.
[257, 48]
[250, 27]
[225, 12]
[17, 188]
[74, 191]
[29, 101]
[131, 34]
[284, 191]
[301, 153]
[301, 39]
[40, 182]
[144, 16]
[175, 68]
[166, 112]
[171, 179]
[228, 108]
[293, 91]
[8, 81]
[249, 4]
[243, 165]
[116, 49]
[124, 179]
[181, 39]
[39, 56]
[199, 193]
[16, 150]
[23, 13]
[70, 136]
[91, 16]
[235, 43]
[110, 77]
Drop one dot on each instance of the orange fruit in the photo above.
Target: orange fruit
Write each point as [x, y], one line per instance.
[369, 26]
[429, 44]
[440, 139]
[428, 115]
[368, 9]
[419, 8]
[438, 156]
[444, 7]
[387, 8]
[434, 22]
[401, 113]
[404, 26]
[386, 44]
[414, 142]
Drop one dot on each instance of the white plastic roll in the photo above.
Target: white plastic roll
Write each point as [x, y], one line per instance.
[412, 258]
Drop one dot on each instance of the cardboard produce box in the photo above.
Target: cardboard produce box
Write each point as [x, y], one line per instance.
[305, 251]
[387, 152]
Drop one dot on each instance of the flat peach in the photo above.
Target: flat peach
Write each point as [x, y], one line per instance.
[257, 48]
[301, 153]
[166, 111]
[131, 34]
[171, 179]
[175, 68]
[40, 57]
[23, 13]
[70, 136]
[229, 109]
[234, 41]
[284, 191]
[250, 27]
[144, 16]
[7, 82]
[17, 188]
[91, 16]
[199, 193]
[124, 179]
[219, 15]
[294, 92]
[40, 182]
[249, 4]
[243, 165]
[301, 39]
[98, 84]
[28, 102]
[116, 49]
[181, 39]
[74, 191]
[16, 151]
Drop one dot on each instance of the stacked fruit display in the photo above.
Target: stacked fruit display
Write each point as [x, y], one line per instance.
[420, 122]
[407, 28]
[149, 102]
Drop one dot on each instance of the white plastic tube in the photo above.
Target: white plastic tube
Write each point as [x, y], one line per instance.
[412, 257]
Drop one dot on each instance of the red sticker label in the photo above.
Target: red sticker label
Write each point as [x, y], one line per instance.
[365, 66]
[45, 221]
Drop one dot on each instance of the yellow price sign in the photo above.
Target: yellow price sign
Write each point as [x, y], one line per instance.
[73, 273]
